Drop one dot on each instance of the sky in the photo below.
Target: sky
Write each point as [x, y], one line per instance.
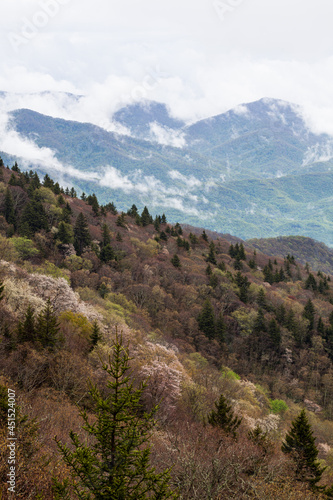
[200, 57]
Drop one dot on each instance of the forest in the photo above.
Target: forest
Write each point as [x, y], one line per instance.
[149, 361]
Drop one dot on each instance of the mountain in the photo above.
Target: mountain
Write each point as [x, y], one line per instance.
[140, 118]
[305, 250]
[208, 327]
[256, 171]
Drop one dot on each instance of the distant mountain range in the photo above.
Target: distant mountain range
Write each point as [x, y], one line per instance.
[256, 171]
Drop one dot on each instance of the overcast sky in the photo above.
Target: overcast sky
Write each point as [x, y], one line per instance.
[201, 57]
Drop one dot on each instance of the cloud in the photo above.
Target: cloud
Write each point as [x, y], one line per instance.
[166, 136]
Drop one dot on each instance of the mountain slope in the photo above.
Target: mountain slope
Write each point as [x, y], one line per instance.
[256, 171]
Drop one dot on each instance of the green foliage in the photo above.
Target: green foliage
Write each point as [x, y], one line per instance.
[278, 406]
[24, 247]
[47, 327]
[82, 236]
[65, 233]
[224, 417]
[300, 445]
[175, 261]
[95, 336]
[117, 465]
[206, 319]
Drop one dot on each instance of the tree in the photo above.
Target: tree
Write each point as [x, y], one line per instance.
[211, 256]
[175, 261]
[82, 236]
[65, 233]
[95, 336]
[206, 319]
[300, 445]
[47, 327]
[107, 253]
[106, 237]
[33, 218]
[224, 417]
[9, 211]
[117, 465]
[26, 331]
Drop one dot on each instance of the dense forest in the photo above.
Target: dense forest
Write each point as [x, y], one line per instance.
[215, 360]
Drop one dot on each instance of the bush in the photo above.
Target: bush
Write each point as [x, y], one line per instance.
[278, 406]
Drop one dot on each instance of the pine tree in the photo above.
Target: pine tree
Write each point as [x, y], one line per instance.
[95, 336]
[224, 417]
[206, 319]
[146, 218]
[211, 256]
[204, 235]
[65, 233]
[106, 237]
[9, 211]
[82, 236]
[26, 331]
[300, 445]
[220, 329]
[175, 261]
[33, 218]
[47, 327]
[107, 253]
[117, 465]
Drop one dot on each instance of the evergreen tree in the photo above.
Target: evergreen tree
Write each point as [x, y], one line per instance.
[107, 253]
[220, 329]
[146, 218]
[65, 233]
[309, 313]
[26, 331]
[163, 219]
[121, 220]
[47, 327]
[106, 237]
[204, 235]
[175, 261]
[111, 207]
[224, 417]
[66, 213]
[117, 465]
[95, 336]
[275, 333]
[82, 236]
[9, 211]
[33, 218]
[300, 445]
[311, 283]
[212, 255]
[133, 211]
[206, 319]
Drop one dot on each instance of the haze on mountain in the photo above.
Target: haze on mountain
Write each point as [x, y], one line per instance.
[137, 85]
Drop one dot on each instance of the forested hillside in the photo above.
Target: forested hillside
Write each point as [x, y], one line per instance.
[232, 346]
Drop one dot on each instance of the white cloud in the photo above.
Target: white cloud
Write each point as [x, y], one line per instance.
[166, 136]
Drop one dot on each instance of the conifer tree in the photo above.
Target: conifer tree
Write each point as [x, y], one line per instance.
[117, 465]
[106, 237]
[33, 218]
[175, 261]
[211, 255]
[146, 218]
[2, 287]
[204, 235]
[107, 253]
[220, 329]
[95, 336]
[82, 236]
[300, 445]
[47, 327]
[9, 211]
[65, 233]
[206, 319]
[224, 417]
[26, 331]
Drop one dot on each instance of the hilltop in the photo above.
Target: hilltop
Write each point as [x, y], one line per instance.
[255, 171]
[203, 317]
